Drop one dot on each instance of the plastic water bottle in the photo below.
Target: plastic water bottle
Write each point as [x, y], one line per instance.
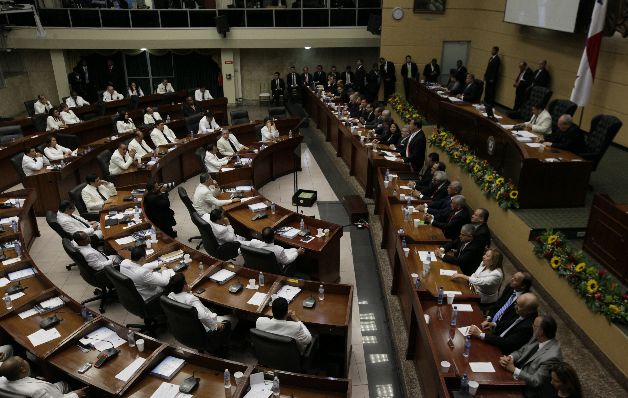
[467, 346]
[408, 202]
[237, 158]
[321, 293]
[261, 279]
[387, 175]
[417, 284]
[168, 119]
[7, 301]
[464, 384]
[84, 312]
[406, 214]
[441, 295]
[275, 388]
[18, 248]
[14, 225]
[201, 266]
[130, 338]
[227, 379]
[302, 225]
[136, 213]
[454, 316]
[273, 208]
[290, 134]
[153, 234]
[404, 243]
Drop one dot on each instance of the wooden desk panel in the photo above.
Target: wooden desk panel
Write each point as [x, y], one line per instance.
[34, 285]
[307, 386]
[27, 226]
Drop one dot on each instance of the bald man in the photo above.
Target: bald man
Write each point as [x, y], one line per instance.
[16, 379]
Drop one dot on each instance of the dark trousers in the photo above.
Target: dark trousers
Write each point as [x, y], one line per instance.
[489, 92]
[406, 86]
[276, 100]
[389, 90]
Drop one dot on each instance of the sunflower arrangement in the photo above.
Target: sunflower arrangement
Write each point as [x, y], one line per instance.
[403, 108]
[489, 181]
[601, 292]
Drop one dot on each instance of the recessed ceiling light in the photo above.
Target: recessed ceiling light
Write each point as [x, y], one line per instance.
[307, 47]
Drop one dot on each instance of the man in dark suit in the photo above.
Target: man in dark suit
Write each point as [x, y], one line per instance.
[509, 334]
[320, 77]
[471, 92]
[415, 150]
[348, 77]
[157, 207]
[389, 77]
[461, 72]
[533, 362]
[277, 87]
[333, 72]
[306, 77]
[426, 175]
[372, 84]
[423, 185]
[293, 81]
[441, 207]
[409, 72]
[491, 75]
[463, 252]
[541, 76]
[482, 234]
[431, 71]
[522, 83]
[453, 222]
[190, 108]
[113, 74]
[504, 307]
[567, 136]
[360, 77]
[437, 190]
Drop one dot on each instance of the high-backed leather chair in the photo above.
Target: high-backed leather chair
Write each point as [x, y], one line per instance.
[280, 352]
[51, 219]
[191, 122]
[263, 260]
[258, 131]
[97, 279]
[183, 323]
[150, 310]
[559, 107]
[30, 107]
[16, 161]
[277, 112]
[225, 252]
[239, 116]
[183, 194]
[604, 128]
[103, 159]
[77, 199]
[10, 133]
[39, 121]
[70, 141]
[200, 155]
[536, 95]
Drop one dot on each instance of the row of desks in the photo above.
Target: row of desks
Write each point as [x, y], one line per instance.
[60, 357]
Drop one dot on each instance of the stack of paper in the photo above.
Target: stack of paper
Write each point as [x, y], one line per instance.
[168, 367]
[50, 304]
[454, 292]
[43, 336]
[258, 206]
[507, 126]
[482, 367]
[388, 153]
[289, 233]
[534, 144]
[243, 188]
[463, 307]
[16, 202]
[168, 390]
[21, 274]
[447, 272]
[288, 292]
[257, 299]
[454, 99]
[427, 255]
[4, 282]
[16, 296]
[9, 220]
[130, 370]
[390, 158]
[12, 260]
[102, 339]
[260, 388]
[28, 313]
[125, 240]
[222, 275]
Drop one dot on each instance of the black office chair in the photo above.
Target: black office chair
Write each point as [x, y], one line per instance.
[277, 112]
[30, 107]
[559, 107]
[604, 128]
[263, 260]
[239, 117]
[134, 102]
[39, 121]
[103, 159]
[280, 352]
[77, 199]
[70, 141]
[183, 194]
[200, 155]
[51, 219]
[258, 131]
[150, 310]
[191, 122]
[16, 161]
[185, 326]
[536, 95]
[97, 279]
[10, 133]
[225, 252]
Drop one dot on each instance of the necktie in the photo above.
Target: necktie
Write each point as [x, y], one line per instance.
[512, 325]
[232, 146]
[306, 79]
[409, 70]
[79, 220]
[146, 148]
[348, 78]
[100, 194]
[533, 119]
[464, 246]
[294, 80]
[277, 85]
[166, 137]
[498, 315]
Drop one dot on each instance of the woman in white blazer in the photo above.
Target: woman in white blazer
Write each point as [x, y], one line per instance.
[68, 115]
[54, 121]
[269, 131]
[212, 162]
[125, 124]
[487, 278]
[54, 151]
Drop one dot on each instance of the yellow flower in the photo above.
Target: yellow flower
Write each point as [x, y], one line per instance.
[614, 309]
[499, 181]
[592, 286]
[580, 267]
[489, 177]
[456, 155]
[552, 239]
[555, 262]
[514, 194]
[476, 168]
[468, 159]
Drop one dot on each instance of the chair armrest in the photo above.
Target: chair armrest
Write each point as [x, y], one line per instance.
[91, 216]
[311, 347]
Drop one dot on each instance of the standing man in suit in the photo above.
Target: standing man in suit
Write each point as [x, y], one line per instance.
[409, 71]
[348, 77]
[372, 84]
[461, 72]
[521, 85]
[452, 223]
[533, 362]
[157, 208]
[306, 77]
[113, 75]
[479, 218]
[360, 77]
[464, 251]
[294, 83]
[510, 334]
[491, 75]
[541, 76]
[320, 77]
[88, 86]
[431, 72]
[415, 150]
[389, 77]
[277, 87]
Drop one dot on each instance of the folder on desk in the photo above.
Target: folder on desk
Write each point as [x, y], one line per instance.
[168, 367]
[222, 276]
[258, 206]
[21, 274]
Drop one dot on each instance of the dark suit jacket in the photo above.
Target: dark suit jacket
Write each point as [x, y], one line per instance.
[492, 69]
[436, 191]
[535, 368]
[343, 76]
[510, 313]
[189, 111]
[277, 89]
[310, 79]
[452, 224]
[525, 82]
[416, 156]
[541, 78]
[157, 207]
[360, 78]
[471, 92]
[571, 140]
[482, 235]
[388, 74]
[369, 118]
[516, 337]
[461, 74]
[320, 78]
[401, 146]
[430, 76]
[391, 139]
[297, 79]
[436, 206]
[414, 70]
[468, 259]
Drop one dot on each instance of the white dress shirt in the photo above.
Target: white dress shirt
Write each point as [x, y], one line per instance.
[213, 163]
[137, 92]
[269, 135]
[204, 314]
[283, 256]
[75, 103]
[223, 233]
[225, 148]
[125, 126]
[141, 149]
[57, 152]
[487, 283]
[159, 137]
[119, 164]
[150, 119]
[53, 124]
[30, 165]
[115, 96]
[161, 89]
[41, 107]
[205, 126]
[541, 124]
[296, 330]
[205, 199]
[69, 117]
[93, 201]
[202, 96]
[95, 259]
[148, 282]
[35, 388]
[76, 223]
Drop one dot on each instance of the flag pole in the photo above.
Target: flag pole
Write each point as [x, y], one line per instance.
[581, 114]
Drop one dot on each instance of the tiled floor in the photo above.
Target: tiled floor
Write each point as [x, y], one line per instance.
[49, 256]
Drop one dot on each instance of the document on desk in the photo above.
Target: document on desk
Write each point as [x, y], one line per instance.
[258, 206]
[15, 202]
[534, 144]
[260, 388]
[392, 158]
[464, 330]
[52, 303]
[168, 367]
[289, 232]
[455, 292]
[424, 255]
[507, 126]
[103, 338]
[21, 274]
[125, 240]
[288, 292]
[169, 390]
[4, 282]
[257, 299]
[9, 220]
[482, 367]
[227, 169]
[12, 260]
[244, 188]
[464, 307]
[448, 272]
[130, 370]
[28, 313]
[222, 276]
[43, 336]
[17, 295]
